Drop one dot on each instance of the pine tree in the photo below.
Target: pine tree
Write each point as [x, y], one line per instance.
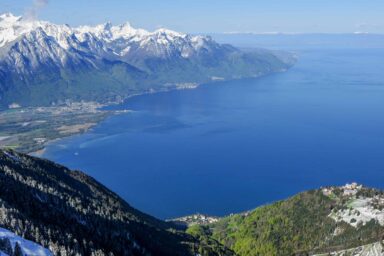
[18, 250]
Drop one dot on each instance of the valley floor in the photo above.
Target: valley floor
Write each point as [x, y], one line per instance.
[30, 129]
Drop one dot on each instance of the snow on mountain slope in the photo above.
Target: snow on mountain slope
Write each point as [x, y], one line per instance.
[9, 30]
[43, 63]
[12, 27]
[29, 248]
[117, 39]
[27, 45]
[359, 210]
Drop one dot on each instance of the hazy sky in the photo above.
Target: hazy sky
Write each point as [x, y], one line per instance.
[290, 16]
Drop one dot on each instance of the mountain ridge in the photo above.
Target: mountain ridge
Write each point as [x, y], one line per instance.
[43, 63]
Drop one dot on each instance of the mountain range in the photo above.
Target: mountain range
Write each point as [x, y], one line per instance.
[47, 209]
[42, 63]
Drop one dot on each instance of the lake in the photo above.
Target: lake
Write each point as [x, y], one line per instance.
[231, 146]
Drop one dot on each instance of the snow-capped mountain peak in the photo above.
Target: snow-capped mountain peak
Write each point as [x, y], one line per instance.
[118, 39]
[9, 17]
[13, 27]
[126, 31]
[164, 31]
[31, 45]
[9, 28]
[41, 55]
[109, 32]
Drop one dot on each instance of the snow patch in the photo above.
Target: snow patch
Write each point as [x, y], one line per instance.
[29, 248]
[359, 212]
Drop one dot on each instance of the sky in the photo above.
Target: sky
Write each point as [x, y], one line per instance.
[213, 16]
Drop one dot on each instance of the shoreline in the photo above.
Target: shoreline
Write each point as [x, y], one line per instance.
[182, 86]
[41, 150]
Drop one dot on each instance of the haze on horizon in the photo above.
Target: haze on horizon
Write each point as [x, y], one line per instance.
[213, 16]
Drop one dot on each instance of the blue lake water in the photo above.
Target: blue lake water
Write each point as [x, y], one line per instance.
[231, 146]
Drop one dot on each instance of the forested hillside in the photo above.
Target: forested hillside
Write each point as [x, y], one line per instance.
[317, 221]
[70, 213]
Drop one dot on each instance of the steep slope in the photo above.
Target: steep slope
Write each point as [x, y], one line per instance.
[70, 213]
[46, 63]
[318, 221]
[43, 63]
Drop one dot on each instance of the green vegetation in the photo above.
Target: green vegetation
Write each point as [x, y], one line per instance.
[111, 82]
[116, 80]
[207, 243]
[299, 225]
[283, 228]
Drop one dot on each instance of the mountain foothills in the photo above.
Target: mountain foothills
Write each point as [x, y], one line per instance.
[48, 209]
[43, 63]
